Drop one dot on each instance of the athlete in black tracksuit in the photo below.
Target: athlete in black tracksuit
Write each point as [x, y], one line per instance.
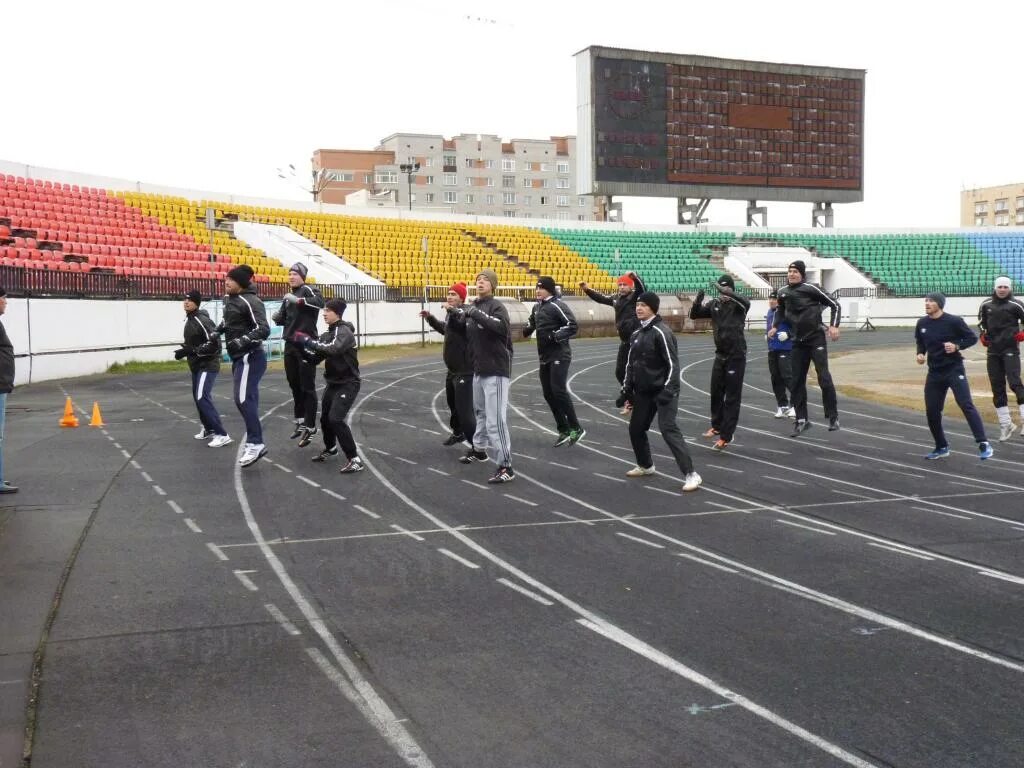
[337, 347]
[728, 314]
[458, 384]
[299, 311]
[555, 324]
[624, 302]
[800, 305]
[200, 333]
[652, 386]
[1000, 319]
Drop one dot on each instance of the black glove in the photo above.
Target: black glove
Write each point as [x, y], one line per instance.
[219, 329]
[180, 353]
[206, 348]
[527, 332]
[699, 298]
[665, 397]
[241, 344]
[625, 396]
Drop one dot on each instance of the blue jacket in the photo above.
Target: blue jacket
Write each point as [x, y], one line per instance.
[774, 345]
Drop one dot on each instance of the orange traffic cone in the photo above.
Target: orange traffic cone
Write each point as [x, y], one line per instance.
[69, 419]
[97, 419]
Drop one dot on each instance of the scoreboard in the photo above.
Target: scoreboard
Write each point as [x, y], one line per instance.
[668, 125]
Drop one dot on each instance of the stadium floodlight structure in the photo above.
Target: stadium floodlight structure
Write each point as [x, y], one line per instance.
[320, 178]
[702, 128]
[409, 169]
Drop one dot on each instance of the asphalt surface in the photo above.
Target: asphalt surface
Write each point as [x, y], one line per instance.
[831, 600]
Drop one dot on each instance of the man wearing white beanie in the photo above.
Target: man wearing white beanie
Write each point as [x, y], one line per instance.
[1001, 318]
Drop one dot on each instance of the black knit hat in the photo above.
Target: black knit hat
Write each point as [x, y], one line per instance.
[651, 299]
[726, 281]
[337, 306]
[773, 294]
[548, 284]
[242, 274]
[195, 297]
[799, 266]
[937, 297]
[300, 269]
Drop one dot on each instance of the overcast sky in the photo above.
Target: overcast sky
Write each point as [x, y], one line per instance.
[216, 95]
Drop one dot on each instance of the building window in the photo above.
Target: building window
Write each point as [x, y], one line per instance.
[527, 183]
[340, 175]
[562, 215]
[543, 200]
[509, 214]
[367, 178]
[1002, 205]
[1002, 219]
[430, 179]
[489, 164]
[527, 166]
[525, 215]
[386, 177]
[527, 199]
[428, 162]
[562, 201]
[508, 163]
[562, 183]
[412, 198]
[508, 181]
[449, 160]
[981, 209]
[545, 167]
[428, 197]
[581, 217]
[468, 198]
[451, 196]
[582, 202]
[469, 181]
[979, 221]
[450, 180]
[563, 166]
[545, 183]
[490, 199]
[469, 162]
[508, 198]
[490, 181]
[1020, 217]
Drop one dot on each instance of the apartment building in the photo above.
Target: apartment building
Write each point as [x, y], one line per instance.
[1001, 206]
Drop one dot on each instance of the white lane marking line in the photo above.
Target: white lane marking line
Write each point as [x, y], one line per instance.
[838, 461]
[702, 561]
[104, 432]
[520, 500]
[329, 492]
[282, 467]
[654, 544]
[773, 450]
[125, 453]
[135, 464]
[385, 418]
[726, 469]
[524, 591]
[281, 619]
[609, 477]
[110, 438]
[475, 485]
[378, 450]
[160, 491]
[975, 486]
[526, 429]
[117, 445]
[174, 505]
[457, 558]
[410, 426]
[900, 551]
[147, 477]
[652, 654]
[307, 481]
[192, 525]
[11, 682]
[246, 581]
[854, 495]
[783, 480]
[438, 471]
[430, 431]
[564, 466]
[526, 456]
[895, 472]
[216, 551]
[408, 533]
[1011, 579]
[805, 527]
[366, 511]
[662, 490]
[940, 512]
[570, 517]
[402, 459]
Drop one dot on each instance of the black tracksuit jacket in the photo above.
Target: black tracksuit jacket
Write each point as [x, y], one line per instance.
[728, 321]
[300, 315]
[653, 363]
[801, 305]
[1000, 320]
[456, 344]
[490, 337]
[337, 346]
[555, 324]
[201, 342]
[244, 316]
[625, 307]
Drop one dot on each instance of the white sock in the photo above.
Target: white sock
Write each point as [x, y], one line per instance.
[1021, 406]
[1004, 415]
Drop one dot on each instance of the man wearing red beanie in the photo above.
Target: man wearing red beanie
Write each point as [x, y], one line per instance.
[458, 384]
[624, 302]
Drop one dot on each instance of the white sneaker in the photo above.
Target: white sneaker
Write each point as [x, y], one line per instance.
[640, 471]
[204, 434]
[791, 412]
[220, 440]
[253, 452]
[1006, 431]
[780, 413]
[692, 482]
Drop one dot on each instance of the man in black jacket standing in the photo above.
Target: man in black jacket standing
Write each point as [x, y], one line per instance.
[6, 387]
[624, 302]
[801, 304]
[298, 314]
[652, 386]
[728, 314]
[555, 324]
[338, 348]
[201, 334]
[458, 384]
[1000, 318]
[490, 348]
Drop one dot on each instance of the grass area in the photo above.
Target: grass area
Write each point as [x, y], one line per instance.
[155, 366]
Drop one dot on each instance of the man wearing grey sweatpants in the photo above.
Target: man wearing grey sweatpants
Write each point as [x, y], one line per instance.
[490, 341]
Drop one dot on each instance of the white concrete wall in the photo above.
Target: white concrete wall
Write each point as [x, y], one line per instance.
[288, 246]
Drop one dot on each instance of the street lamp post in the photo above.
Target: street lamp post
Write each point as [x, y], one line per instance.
[409, 169]
[319, 180]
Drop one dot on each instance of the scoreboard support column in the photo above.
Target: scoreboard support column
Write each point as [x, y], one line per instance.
[753, 211]
[822, 215]
[691, 214]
